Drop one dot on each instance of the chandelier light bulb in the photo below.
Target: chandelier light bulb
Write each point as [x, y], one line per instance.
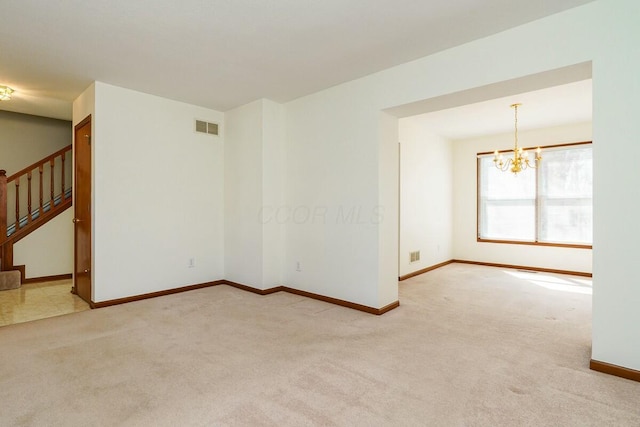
[520, 160]
[5, 93]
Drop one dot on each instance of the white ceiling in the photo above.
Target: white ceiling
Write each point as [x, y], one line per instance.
[221, 53]
[557, 105]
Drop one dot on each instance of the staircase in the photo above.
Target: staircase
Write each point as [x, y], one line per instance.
[52, 195]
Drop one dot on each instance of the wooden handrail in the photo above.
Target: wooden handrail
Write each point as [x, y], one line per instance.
[3, 205]
[38, 163]
[25, 176]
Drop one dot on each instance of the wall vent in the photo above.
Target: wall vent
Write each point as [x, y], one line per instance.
[414, 256]
[206, 127]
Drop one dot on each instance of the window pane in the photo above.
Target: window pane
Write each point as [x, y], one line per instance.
[507, 203]
[513, 221]
[565, 195]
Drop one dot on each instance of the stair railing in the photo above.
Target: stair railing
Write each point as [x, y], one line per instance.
[51, 172]
[3, 205]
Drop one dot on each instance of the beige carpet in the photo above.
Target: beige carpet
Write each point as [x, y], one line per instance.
[469, 345]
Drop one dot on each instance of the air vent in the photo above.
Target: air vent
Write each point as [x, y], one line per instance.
[414, 256]
[212, 128]
[206, 127]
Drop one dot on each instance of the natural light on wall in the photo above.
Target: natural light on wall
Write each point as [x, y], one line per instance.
[551, 204]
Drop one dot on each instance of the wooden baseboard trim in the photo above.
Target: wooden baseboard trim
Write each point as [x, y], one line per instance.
[47, 278]
[251, 289]
[618, 371]
[388, 307]
[360, 307]
[343, 303]
[133, 298]
[336, 301]
[424, 270]
[522, 267]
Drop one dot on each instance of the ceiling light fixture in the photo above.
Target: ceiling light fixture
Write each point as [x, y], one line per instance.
[5, 93]
[520, 160]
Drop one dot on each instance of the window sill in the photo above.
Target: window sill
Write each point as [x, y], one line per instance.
[519, 242]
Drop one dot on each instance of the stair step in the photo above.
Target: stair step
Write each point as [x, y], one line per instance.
[9, 280]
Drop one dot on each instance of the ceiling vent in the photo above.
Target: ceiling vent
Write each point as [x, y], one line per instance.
[206, 127]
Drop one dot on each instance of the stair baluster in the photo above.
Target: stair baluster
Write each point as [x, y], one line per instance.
[52, 169]
[29, 211]
[17, 203]
[41, 198]
[3, 205]
[62, 176]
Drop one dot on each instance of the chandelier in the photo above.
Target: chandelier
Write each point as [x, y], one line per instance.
[520, 160]
[5, 93]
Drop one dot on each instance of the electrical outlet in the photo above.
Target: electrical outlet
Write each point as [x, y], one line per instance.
[298, 268]
[414, 256]
[192, 262]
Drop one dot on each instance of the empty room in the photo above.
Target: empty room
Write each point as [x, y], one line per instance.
[293, 213]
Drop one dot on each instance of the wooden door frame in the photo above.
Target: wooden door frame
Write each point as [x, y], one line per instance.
[82, 123]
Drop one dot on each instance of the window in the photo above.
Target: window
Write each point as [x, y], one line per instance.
[549, 205]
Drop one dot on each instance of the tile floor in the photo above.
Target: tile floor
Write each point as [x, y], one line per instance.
[38, 301]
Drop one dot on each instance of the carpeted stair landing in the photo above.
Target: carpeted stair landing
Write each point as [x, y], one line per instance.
[9, 280]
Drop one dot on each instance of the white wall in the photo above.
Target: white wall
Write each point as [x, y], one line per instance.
[253, 194]
[157, 194]
[385, 215]
[26, 139]
[616, 132]
[243, 195]
[335, 159]
[85, 105]
[466, 246]
[332, 188]
[426, 196]
[48, 251]
[273, 161]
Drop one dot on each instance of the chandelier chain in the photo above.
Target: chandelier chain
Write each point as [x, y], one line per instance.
[520, 160]
[515, 106]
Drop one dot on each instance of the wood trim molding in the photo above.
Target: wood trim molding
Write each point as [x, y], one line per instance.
[352, 305]
[82, 122]
[542, 147]
[424, 270]
[520, 242]
[331, 300]
[38, 163]
[124, 300]
[523, 267]
[343, 303]
[253, 290]
[618, 371]
[47, 278]
[388, 307]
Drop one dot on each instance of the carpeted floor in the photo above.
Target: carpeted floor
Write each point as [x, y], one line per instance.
[469, 345]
